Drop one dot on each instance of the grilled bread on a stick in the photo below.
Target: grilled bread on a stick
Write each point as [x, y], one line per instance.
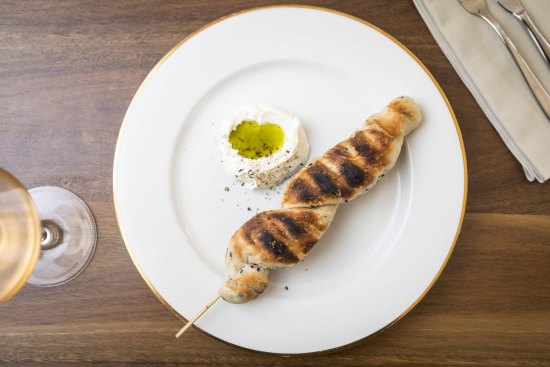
[280, 238]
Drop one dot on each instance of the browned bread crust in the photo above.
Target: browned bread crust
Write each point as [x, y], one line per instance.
[354, 165]
[280, 238]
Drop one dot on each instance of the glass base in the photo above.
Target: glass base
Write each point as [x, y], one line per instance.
[69, 236]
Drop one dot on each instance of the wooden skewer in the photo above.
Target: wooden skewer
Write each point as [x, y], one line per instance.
[192, 321]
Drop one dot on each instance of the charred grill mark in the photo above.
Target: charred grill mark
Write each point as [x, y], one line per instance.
[246, 232]
[301, 191]
[295, 234]
[379, 136]
[252, 226]
[353, 174]
[276, 248]
[290, 224]
[309, 245]
[319, 173]
[253, 223]
[338, 152]
[363, 147]
[277, 230]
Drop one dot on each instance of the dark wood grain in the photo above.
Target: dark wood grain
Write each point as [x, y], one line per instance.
[68, 70]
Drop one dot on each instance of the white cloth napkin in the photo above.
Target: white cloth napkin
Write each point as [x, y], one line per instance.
[490, 73]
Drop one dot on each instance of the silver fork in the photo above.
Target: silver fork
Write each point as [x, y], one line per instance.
[479, 8]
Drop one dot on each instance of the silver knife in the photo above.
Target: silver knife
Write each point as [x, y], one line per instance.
[516, 8]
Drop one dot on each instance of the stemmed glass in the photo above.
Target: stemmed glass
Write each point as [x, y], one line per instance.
[47, 236]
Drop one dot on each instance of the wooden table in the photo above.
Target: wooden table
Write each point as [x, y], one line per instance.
[68, 70]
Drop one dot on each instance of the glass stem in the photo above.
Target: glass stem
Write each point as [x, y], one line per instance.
[51, 235]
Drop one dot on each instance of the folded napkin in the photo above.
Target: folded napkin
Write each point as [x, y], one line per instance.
[490, 73]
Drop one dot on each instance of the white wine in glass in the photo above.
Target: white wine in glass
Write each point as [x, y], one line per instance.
[47, 236]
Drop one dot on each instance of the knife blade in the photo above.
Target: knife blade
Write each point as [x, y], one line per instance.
[516, 8]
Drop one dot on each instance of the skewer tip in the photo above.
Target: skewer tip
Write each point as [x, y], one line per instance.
[192, 321]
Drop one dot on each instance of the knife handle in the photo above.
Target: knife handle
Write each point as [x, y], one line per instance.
[538, 90]
[543, 43]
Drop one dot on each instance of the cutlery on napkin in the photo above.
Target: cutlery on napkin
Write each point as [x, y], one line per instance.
[479, 8]
[492, 76]
[516, 8]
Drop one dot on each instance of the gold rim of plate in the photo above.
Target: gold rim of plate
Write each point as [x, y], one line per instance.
[364, 22]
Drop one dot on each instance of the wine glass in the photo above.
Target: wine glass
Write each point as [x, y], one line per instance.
[47, 236]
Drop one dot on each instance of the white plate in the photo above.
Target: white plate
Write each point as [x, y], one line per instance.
[383, 251]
